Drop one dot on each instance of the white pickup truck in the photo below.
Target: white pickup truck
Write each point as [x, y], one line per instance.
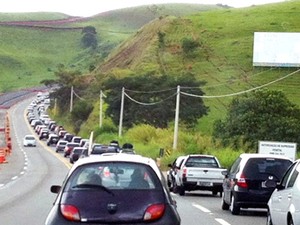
[199, 172]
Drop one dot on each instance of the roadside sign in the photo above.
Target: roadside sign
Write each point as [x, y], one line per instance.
[287, 149]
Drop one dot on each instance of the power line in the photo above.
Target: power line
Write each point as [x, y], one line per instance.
[241, 92]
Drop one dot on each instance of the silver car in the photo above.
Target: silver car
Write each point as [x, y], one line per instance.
[284, 203]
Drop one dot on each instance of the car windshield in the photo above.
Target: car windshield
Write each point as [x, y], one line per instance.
[113, 176]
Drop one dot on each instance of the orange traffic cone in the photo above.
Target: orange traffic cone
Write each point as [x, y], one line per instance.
[2, 156]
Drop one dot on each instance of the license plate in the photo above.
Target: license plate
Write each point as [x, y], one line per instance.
[205, 184]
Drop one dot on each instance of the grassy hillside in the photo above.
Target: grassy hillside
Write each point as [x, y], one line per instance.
[32, 45]
[224, 59]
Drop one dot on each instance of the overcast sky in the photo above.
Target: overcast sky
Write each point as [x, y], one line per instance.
[93, 7]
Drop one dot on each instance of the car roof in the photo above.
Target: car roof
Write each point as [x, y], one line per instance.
[29, 135]
[118, 157]
[258, 155]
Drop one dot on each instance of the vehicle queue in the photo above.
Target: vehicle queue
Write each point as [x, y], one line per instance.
[253, 181]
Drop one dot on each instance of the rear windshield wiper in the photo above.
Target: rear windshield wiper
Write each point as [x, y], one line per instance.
[96, 186]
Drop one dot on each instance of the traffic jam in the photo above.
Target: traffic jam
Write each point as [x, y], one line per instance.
[264, 180]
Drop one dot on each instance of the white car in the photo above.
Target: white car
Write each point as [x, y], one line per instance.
[29, 140]
[284, 203]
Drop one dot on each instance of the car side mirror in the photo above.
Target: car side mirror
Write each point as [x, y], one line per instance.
[55, 189]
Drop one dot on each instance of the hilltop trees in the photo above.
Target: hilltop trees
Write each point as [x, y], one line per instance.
[89, 38]
[263, 115]
[160, 94]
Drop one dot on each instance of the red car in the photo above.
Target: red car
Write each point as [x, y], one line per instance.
[69, 147]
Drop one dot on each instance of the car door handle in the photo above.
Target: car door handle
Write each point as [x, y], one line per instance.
[289, 196]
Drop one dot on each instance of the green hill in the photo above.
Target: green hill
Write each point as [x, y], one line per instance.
[224, 60]
[32, 45]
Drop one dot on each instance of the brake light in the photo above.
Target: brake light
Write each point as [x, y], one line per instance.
[154, 212]
[241, 182]
[70, 212]
[184, 172]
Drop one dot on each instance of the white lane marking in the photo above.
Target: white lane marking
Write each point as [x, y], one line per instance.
[221, 221]
[203, 209]
[14, 178]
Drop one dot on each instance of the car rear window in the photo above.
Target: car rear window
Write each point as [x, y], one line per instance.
[207, 162]
[114, 175]
[103, 149]
[260, 168]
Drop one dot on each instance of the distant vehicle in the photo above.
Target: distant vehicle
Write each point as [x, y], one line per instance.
[284, 203]
[127, 151]
[62, 133]
[83, 141]
[68, 137]
[52, 139]
[60, 146]
[245, 184]
[99, 149]
[29, 140]
[76, 139]
[199, 172]
[171, 173]
[78, 152]
[115, 189]
[44, 134]
[69, 147]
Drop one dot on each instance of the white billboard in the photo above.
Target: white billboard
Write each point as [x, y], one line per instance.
[276, 49]
[286, 149]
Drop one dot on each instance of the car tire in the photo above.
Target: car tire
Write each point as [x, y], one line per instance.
[234, 208]
[290, 221]
[181, 190]
[225, 206]
[269, 219]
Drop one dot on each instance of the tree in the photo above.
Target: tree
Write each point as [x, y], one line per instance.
[149, 89]
[80, 113]
[263, 115]
[89, 38]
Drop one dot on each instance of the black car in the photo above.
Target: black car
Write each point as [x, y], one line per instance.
[246, 184]
[44, 134]
[78, 152]
[52, 139]
[121, 189]
[99, 149]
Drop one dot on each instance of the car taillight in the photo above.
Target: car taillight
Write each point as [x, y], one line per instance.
[70, 212]
[154, 212]
[184, 172]
[241, 182]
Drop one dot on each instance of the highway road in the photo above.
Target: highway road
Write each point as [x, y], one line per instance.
[25, 197]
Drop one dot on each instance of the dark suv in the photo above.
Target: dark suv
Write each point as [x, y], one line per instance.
[99, 149]
[246, 183]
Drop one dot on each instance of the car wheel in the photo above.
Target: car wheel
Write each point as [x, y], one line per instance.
[181, 190]
[290, 221]
[225, 206]
[269, 219]
[235, 210]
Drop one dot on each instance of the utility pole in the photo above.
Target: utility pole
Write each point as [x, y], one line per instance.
[121, 113]
[71, 100]
[176, 119]
[100, 109]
